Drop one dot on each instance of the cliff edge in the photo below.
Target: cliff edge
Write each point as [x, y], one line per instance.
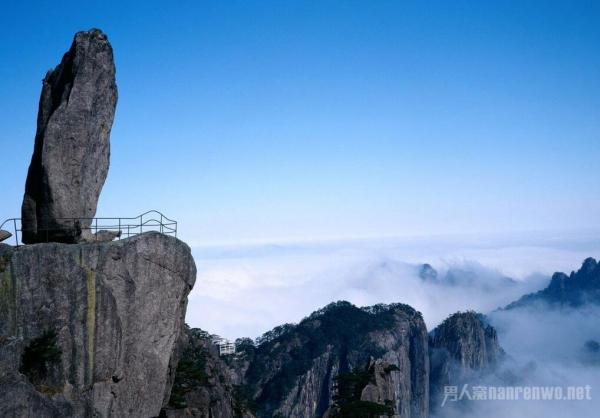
[91, 329]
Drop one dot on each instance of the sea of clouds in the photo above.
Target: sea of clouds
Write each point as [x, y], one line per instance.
[544, 348]
[247, 290]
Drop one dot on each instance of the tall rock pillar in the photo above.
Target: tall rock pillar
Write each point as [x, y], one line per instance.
[72, 147]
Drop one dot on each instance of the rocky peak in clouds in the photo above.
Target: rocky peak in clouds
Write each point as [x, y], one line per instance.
[294, 372]
[468, 339]
[471, 275]
[577, 289]
[340, 361]
[428, 273]
[462, 346]
[340, 358]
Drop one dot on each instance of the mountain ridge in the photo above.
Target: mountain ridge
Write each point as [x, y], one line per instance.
[580, 288]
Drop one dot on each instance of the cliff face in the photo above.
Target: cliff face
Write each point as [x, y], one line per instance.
[203, 383]
[91, 329]
[340, 362]
[295, 371]
[468, 340]
[461, 346]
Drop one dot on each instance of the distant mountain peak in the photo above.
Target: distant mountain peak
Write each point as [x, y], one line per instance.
[428, 273]
[577, 289]
[589, 265]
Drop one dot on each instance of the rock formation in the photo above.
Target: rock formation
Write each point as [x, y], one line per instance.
[460, 347]
[340, 357]
[91, 330]
[86, 329]
[468, 339]
[71, 153]
[4, 235]
[427, 273]
[294, 371]
[341, 361]
[203, 383]
[573, 291]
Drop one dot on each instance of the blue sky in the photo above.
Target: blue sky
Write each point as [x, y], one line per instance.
[266, 121]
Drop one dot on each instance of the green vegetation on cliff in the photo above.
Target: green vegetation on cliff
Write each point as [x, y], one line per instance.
[40, 358]
[347, 401]
[338, 327]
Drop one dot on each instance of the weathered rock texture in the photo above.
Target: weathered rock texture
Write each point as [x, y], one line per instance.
[293, 371]
[71, 154]
[461, 347]
[203, 384]
[381, 387]
[90, 330]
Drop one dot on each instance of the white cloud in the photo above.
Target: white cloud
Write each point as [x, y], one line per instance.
[247, 290]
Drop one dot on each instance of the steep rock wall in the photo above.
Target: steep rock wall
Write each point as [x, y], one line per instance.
[462, 347]
[293, 374]
[114, 313]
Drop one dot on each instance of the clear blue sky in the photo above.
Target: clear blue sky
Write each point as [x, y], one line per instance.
[302, 120]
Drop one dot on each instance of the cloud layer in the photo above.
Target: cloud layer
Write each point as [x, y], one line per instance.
[247, 290]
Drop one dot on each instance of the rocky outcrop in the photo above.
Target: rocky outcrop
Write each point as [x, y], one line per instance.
[468, 339]
[71, 154]
[294, 371]
[577, 289]
[90, 330]
[4, 235]
[427, 273]
[203, 383]
[381, 388]
[460, 347]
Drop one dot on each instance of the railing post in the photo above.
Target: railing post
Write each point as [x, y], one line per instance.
[16, 232]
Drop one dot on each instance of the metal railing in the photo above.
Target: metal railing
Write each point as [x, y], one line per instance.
[152, 220]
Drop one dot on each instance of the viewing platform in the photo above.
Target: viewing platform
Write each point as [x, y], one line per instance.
[116, 228]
